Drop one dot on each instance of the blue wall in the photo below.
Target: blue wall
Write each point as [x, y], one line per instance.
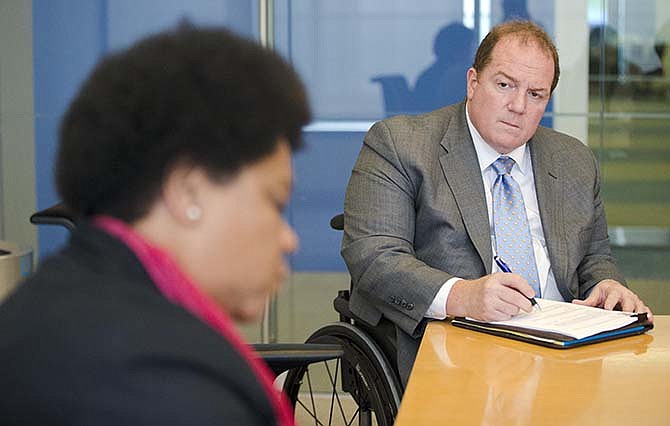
[69, 36]
[322, 171]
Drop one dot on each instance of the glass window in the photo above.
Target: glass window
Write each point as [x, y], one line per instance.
[363, 60]
[629, 120]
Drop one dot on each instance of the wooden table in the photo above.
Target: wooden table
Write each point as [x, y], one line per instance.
[462, 377]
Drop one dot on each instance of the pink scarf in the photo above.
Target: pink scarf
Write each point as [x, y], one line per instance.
[180, 290]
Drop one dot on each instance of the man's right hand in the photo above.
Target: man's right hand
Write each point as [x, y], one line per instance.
[494, 297]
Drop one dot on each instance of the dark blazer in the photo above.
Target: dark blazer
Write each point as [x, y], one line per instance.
[89, 340]
[415, 215]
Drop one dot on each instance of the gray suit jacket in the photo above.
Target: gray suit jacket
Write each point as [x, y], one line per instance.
[416, 215]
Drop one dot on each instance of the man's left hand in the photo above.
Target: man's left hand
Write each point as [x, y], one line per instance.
[610, 294]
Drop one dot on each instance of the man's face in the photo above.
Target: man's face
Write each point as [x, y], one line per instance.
[507, 98]
[242, 238]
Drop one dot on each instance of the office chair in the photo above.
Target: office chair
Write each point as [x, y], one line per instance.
[398, 97]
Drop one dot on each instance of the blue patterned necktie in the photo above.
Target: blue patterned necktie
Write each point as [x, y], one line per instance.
[512, 233]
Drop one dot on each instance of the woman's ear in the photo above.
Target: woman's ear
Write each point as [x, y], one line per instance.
[180, 194]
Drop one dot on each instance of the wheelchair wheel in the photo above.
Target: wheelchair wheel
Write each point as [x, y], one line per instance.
[358, 389]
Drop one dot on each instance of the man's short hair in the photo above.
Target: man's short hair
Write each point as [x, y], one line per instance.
[201, 97]
[526, 32]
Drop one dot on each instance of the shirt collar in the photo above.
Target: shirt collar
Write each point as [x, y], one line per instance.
[487, 155]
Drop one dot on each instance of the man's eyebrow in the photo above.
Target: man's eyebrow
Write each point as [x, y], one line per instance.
[515, 81]
[507, 76]
[539, 89]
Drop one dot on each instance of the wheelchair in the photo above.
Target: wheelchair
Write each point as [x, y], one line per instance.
[344, 373]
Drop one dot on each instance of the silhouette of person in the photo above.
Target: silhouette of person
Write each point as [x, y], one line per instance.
[443, 82]
[662, 49]
[517, 10]
[603, 60]
[603, 50]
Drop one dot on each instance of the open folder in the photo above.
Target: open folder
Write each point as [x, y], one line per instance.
[562, 325]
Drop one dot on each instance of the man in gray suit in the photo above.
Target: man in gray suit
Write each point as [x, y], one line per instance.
[419, 223]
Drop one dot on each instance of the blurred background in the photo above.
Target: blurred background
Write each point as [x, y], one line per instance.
[363, 60]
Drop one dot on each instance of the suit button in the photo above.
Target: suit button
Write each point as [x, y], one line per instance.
[410, 306]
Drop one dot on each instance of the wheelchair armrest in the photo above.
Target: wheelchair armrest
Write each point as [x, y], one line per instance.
[285, 356]
[341, 305]
[58, 214]
[337, 222]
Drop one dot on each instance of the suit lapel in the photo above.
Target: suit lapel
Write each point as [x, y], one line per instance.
[549, 189]
[461, 170]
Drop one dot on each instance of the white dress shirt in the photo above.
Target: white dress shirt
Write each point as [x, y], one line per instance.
[522, 172]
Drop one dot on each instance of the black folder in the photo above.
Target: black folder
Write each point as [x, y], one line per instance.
[553, 339]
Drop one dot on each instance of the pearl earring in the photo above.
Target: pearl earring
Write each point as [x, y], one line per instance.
[193, 213]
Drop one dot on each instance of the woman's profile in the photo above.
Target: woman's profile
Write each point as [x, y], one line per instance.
[176, 154]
